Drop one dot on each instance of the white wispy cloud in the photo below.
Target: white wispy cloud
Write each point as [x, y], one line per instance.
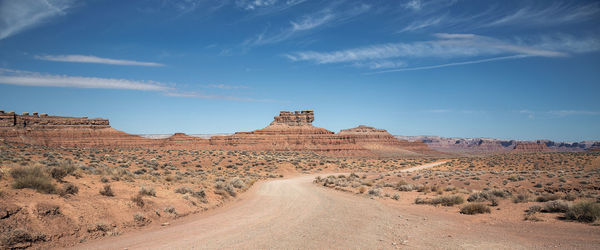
[327, 16]
[34, 79]
[17, 16]
[311, 22]
[26, 78]
[414, 5]
[453, 46]
[555, 13]
[530, 114]
[254, 4]
[449, 46]
[95, 59]
[563, 113]
[383, 64]
[225, 86]
[452, 64]
[421, 24]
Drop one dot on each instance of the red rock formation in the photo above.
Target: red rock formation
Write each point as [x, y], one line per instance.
[530, 147]
[290, 131]
[383, 143]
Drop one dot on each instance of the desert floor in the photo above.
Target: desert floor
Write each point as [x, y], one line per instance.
[294, 213]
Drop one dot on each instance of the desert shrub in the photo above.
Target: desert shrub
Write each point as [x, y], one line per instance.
[375, 191]
[58, 173]
[534, 209]
[183, 190]
[521, 198]
[200, 193]
[104, 179]
[149, 191]
[107, 191]
[138, 200]
[555, 207]
[139, 217]
[420, 200]
[230, 190]
[475, 208]
[478, 196]
[170, 209]
[34, 178]
[500, 193]
[406, 188]
[396, 197]
[68, 188]
[19, 236]
[237, 183]
[584, 211]
[531, 217]
[448, 200]
[547, 197]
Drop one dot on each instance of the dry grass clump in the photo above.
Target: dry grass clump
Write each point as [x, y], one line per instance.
[148, 191]
[584, 211]
[138, 200]
[521, 198]
[475, 208]
[555, 207]
[68, 189]
[107, 191]
[444, 200]
[34, 178]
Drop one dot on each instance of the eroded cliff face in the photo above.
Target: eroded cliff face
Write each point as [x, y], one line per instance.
[290, 131]
[531, 147]
[490, 145]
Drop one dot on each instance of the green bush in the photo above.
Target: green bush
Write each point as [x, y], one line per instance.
[34, 178]
[584, 211]
[475, 208]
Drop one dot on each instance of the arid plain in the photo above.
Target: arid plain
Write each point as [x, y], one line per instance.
[78, 183]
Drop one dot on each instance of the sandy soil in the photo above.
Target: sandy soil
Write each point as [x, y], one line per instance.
[294, 213]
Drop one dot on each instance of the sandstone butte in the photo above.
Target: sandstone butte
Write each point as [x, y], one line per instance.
[290, 131]
[531, 147]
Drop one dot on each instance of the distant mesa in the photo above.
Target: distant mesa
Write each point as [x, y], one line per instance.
[531, 147]
[289, 131]
[481, 146]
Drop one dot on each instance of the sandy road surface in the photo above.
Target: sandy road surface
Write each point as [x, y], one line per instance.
[297, 214]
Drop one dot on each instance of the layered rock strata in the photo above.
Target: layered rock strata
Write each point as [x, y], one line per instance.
[290, 131]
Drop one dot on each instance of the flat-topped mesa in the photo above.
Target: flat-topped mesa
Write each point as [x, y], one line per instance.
[364, 130]
[296, 118]
[44, 121]
[530, 147]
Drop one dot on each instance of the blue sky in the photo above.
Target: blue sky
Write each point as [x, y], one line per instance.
[509, 69]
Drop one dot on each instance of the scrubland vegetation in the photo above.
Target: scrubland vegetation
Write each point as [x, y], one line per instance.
[567, 184]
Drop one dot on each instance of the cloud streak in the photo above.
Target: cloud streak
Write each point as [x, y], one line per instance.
[95, 59]
[26, 78]
[33, 79]
[453, 46]
[224, 86]
[448, 46]
[17, 16]
[309, 22]
[555, 13]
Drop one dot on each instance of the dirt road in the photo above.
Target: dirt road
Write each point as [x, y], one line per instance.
[297, 214]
